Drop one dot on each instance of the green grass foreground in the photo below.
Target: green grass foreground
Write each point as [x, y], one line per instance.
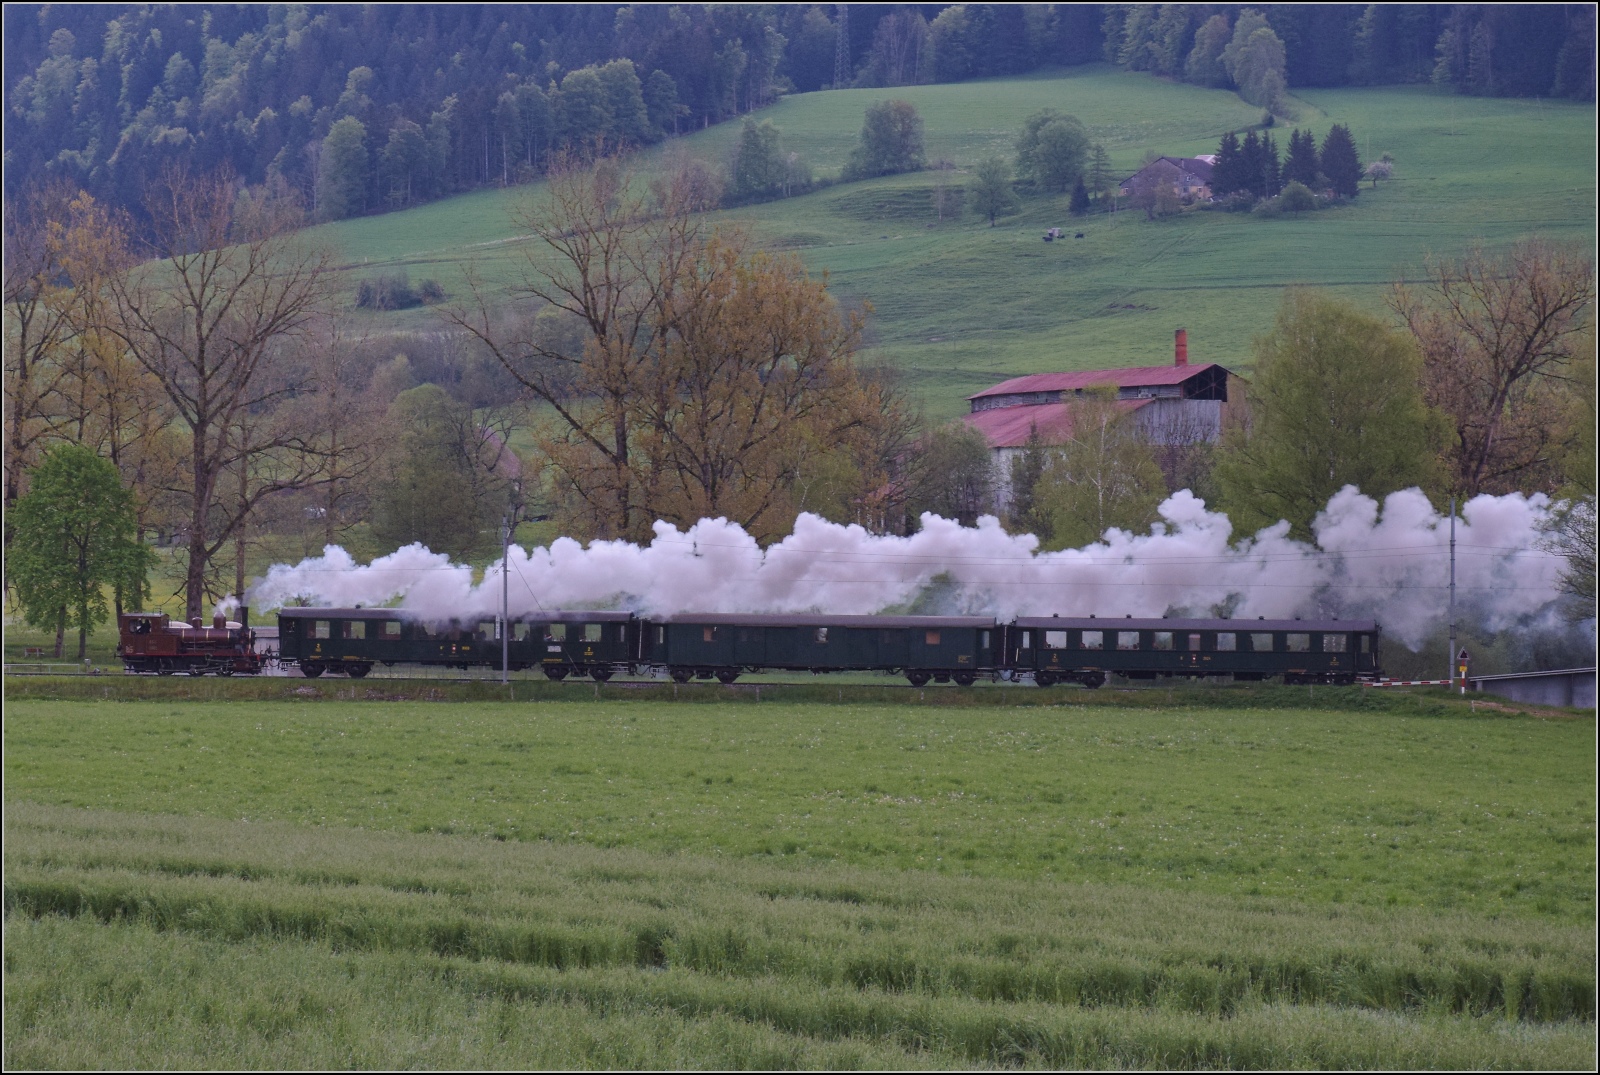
[143, 941]
[623, 882]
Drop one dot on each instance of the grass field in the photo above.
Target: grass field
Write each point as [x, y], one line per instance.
[960, 306]
[783, 884]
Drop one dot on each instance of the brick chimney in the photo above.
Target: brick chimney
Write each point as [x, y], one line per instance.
[1180, 347]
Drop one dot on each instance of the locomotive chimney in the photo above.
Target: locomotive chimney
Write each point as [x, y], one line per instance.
[219, 621]
[244, 617]
[1180, 347]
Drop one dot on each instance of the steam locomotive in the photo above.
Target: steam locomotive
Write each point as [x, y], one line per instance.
[942, 649]
[154, 642]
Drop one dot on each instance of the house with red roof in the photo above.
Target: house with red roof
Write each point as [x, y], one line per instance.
[1171, 405]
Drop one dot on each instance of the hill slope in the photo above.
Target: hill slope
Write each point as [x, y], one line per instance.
[959, 305]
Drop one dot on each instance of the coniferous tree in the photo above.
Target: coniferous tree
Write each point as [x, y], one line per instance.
[1340, 162]
[1252, 165]
[1080, 198]
[1227, 172]
[1301, 166]
[1271, 172]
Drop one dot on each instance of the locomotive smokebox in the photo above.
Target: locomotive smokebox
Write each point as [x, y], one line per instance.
[1180, 347]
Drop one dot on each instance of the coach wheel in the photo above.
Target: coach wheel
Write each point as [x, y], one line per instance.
[680, 675]
[1093, 680]
[312, 669]
[600, 674]
[964, 679]
[1045, 679]
[727, 675]
[555, 672]
[918, 679]
[357, 671]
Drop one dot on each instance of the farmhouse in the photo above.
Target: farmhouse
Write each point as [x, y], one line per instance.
[1170, 405]
[1189, 176]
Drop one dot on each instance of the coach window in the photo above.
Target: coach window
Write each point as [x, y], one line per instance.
[487, 629]
[556, 632]
[1366, 643]
[1298, 642]
[983, 639]
[931, 638]
[591, 632]
[1334, 643]
[1194, 643]
[1227, 642]
[708, 634]
[1094, 640]
[661, 634]
[320, 628]
[822, 634]
[520, 632]
[1055, 640]
[1162, 640]
[391, 628]
[749, 634]
[1127, 639]
[1261, 643]
[1026, 641]
[355, 628]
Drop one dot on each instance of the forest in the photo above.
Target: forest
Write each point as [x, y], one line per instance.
[367, 108]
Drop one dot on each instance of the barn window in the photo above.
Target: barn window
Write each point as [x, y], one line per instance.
[1227, 642]
[591, 632]
[355, 628]
[1094, 640]
[1298, 642]
[1261, 643]
[1334, 643]
[931, 638]
[1055, 640]
[321, 628]
[1127, 639]
[1162, 640]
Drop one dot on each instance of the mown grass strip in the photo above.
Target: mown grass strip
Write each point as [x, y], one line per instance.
[1182, 695]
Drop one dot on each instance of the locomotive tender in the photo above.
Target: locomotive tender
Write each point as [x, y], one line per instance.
[721, 646]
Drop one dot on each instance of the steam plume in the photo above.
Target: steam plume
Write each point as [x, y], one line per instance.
[1389, 563]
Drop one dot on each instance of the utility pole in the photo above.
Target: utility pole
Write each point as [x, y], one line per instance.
[506, 599]
[1451, 658]
[841, 48]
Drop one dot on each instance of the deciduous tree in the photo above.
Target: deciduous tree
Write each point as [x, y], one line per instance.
[891, 142]
[1498, 334]
[1052, 150]
[1103, 475]
[74, 538]
[1335, 401]
[991, 188]
[212, 317]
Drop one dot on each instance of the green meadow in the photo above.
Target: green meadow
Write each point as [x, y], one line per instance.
[958, 305]
[314, 883]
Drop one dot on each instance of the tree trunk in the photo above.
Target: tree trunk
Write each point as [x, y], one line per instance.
[61, 631]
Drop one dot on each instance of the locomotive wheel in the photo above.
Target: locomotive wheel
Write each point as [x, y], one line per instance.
[555, 673]
[163, 669]
[357, 671]
[1093, 680]
[964, 679]
[727, 676]
[918, 679]
[1045, 679]
[312, 669]
[680, 675]
[225, 670]
[600, 674]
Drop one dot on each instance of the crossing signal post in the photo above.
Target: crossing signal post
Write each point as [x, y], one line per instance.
[1463, 662]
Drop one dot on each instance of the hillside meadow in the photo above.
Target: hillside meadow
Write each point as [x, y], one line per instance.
[793, 884]
[958, 305]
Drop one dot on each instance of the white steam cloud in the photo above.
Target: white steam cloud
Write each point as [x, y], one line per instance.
[1389, 563]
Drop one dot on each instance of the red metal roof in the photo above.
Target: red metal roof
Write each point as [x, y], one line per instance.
[1132, 377]
[1010, 427]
